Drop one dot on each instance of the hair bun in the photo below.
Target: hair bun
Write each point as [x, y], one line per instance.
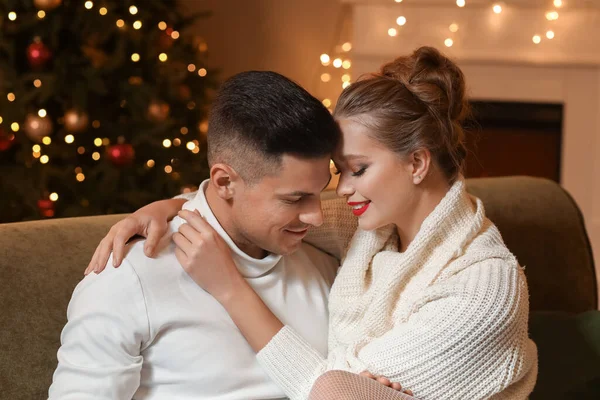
[434, 79]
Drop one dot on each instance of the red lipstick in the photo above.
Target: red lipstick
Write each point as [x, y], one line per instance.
[358, 211]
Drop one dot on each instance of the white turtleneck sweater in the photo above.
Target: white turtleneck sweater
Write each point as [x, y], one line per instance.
[147, 331]
[447, 318]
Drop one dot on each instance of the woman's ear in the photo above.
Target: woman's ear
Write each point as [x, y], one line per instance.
[225, 179]
[421, 163]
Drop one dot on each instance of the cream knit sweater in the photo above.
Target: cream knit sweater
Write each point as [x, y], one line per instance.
[447, 318]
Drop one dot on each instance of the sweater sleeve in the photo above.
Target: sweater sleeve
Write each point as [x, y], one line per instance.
[107, 325]
[469, 343]
[338, 227]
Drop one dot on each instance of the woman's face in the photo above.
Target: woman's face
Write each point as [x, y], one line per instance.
[376, 182]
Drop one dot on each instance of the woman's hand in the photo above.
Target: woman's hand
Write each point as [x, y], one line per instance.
[386, 382]
[206, 257]
[150, 221]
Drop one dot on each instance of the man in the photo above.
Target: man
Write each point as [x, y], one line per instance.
[146, 330]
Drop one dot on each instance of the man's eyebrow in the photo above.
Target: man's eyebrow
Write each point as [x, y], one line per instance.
[298, 193]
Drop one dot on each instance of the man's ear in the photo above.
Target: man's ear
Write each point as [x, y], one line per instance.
[225, 179]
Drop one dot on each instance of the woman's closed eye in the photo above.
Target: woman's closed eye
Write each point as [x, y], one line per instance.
[360, 171]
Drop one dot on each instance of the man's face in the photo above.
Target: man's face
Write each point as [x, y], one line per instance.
[275, 213]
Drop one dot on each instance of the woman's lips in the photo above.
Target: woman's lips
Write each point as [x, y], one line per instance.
[359, 208]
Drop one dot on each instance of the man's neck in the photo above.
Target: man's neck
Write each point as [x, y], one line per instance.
[222, 212]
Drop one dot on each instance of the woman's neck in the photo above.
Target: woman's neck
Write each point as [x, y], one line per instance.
[430, 193]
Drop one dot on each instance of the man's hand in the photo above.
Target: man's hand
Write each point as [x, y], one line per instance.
[386, 382]
[150, 221]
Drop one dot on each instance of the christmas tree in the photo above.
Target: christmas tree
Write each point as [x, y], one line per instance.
[103, 106]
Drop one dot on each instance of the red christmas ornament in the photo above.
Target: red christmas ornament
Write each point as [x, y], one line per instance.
[38, 54]
[46, 208]
[121, 154]
[7, 140]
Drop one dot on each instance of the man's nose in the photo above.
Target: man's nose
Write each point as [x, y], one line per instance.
[313, 215]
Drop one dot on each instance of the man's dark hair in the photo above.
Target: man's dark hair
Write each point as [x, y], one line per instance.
[258, 116]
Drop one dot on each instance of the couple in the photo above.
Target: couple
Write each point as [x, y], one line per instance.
[428, 301]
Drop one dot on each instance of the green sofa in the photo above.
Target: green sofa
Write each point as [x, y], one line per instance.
[42, 261]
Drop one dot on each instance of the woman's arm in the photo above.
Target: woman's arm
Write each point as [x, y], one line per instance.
[150, 221]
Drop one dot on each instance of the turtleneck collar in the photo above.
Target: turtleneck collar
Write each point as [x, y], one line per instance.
[248, 266]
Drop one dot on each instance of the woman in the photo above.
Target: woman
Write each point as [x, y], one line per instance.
[428, 294]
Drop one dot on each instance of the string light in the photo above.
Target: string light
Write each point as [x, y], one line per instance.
[41, 14]
[37, 83]
[190, 146]
[175, 35]
[453, 28]
[401, 20]
[1, 120]
[162, 57]
[120, 23]
[36, 154]
[536, 39]
[345, 85]
[168, 169]
[81, 150]
[53, 196]
[325, 60]
[347, 46]
[36, 148]
[95, 156]
[11, 97]
[44, 159]
[12, 15]
[346, 78]
[448, 42]
[135, 57]
[46, 140]
[325, 77]
[203, 126]
[133, 10]
[550, 34]
[162, 25]
[497, 8]
[166, 143]
[97, 142]
[558, 3]
[69, 139]
[14, 126]
[137, 24]
[398, 1]
[191, 67]
[552, 15]
[89, 5]
[202, 72]
[327, 102]
[42, 113]
[184, 130]
[150, 163]
[176, 142]
[460, 3]
[103, 11]
[337, 63]
[80, 177]
[392, 32]
[346, 64]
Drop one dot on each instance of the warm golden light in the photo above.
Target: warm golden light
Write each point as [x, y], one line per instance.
[150, 163]
[346, 78]
[191, 67]
[168, 169]
[42, 113]
[69, 139]
[392, 32]
[137, 24]
[12, 15]
[497, 8]
[327, 102]
[325, 77]
[162, 57]
[41, 14]
[453, 28]
[190, 145]
[47, 140]
[337, 63]
[166, 143]
[135, 57]
[37, 83]
[97, 142]
[202, 72]
[36, 148]
[325, 59]
[184, 130]
[44, 159]
[558, 3]
[120, 23]
[11, 97]
[460, 3]
[133, 10]
[15, 127]
[54, 196]
[81, 150]
[176, 142]
[552, 15]
[80, 177]
[89, 5]
[537, 39]
[162, 25]
[346, 64]
[401, 20]
[448, 42]
[175, 35]
[95, 156]
[345, 85]
[103, 11]
[347, 46]
[550, 34]
[36, 154]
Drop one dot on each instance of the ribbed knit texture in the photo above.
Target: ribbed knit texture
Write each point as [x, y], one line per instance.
[447, 318]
